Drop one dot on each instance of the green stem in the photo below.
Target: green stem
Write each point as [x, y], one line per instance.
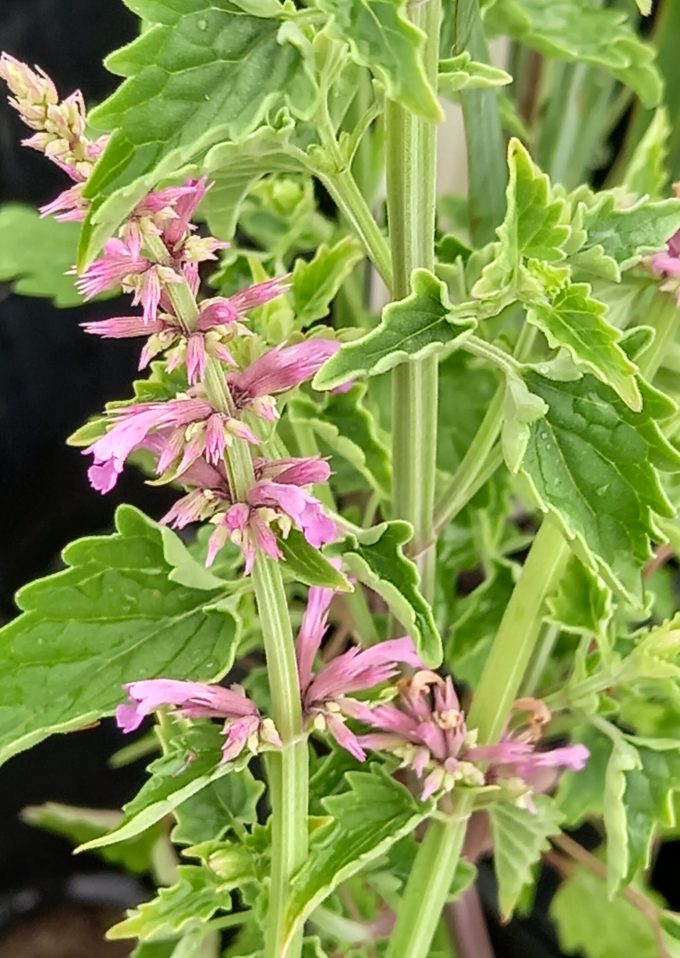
[411, 196]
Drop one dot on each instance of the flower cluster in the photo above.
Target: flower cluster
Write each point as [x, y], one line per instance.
[155, 257]
[667, 264]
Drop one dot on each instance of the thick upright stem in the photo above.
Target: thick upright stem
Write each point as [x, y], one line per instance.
[411, 194]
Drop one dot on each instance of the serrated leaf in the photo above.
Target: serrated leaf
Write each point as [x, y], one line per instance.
[535, 224]
[590, 924]
[580, 795]
[418, 326]
[623, 758]
[381, 38]
[593, 463]
[376, 559]
[35, 254]
[367, 820]
[583, 603]
[219, 806]
[627, 234]
[236, 165]
[646, 171]
[656, 654]
[576, 322]
[348, 429]
[82, 824]
[576, 30]
[519, 838]
[463, 73]
[200, 73]
[521, 408]
[309, 565]
[315, 284]
[194, 899]
[112, 617]
[193, 763]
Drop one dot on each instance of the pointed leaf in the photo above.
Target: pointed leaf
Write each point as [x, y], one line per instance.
[583, 603]
[201, 72]
[113, 617]
[315, 284]
[646, 172]
[519, 838]
[593, 463]
[627, 234]
[576, 322]
[520, 409]
[367, 820]
[463, 73]
[381, 38]
[219, 806]
[375, 557]
[309, 565]
[418, 326]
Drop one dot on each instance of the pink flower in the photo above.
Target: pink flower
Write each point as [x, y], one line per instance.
[324, 694]
[210, 433]
[69, 206]
[118, 263]
[277, 371]
[282, 503]
[667, 264]
[243, 726]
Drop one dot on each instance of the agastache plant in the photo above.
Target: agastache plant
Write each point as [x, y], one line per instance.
[434, 628]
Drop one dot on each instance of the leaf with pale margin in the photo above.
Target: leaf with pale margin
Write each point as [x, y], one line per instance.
[220, 806]
[376, 558]
[646, 171]
[202, 71]
[381, 38]
[463, 73]
[367, 820]
[521, 408]
[194, 899]
[535, 224]
[81, 824]
[347, 428]
[35, 254]
[310, 565]
[236, 165]
[193, 762]
[519, 838]
[593, 463]
[627, 234]
[574, 321]
[592, 925]
[582, 604]
[578, 31]
[112, 617]
[656, 654]
[315, 284]
[420, 325]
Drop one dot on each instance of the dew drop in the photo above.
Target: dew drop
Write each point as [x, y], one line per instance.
[202, 24]
[544, 369]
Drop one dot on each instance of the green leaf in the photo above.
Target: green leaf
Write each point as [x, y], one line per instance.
[521, 408]
[418, 326]
[79, 825]
[590, 924]
[219, 806]
[580, 795]
[315, 284]
[623, 758]
[646, 171]
[35, 254]
[627, 234]
[519, 838]
[381, 38]
[194, 899]
[376, 559]
[535, 224]
[202, 71]
[112, 617]
[656, 654]
[193, 763]
[463, 73]
[583, 603]
[348, 429]
[309, 565]
[576, 322]
[367, 820]
[234, 167]
[576, 30]
[593, 462]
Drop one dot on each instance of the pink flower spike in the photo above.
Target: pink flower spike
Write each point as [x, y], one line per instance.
[300, 471]
[68, 207]
[122, 327]
[196, 358]
[281, 369]
[260, 294]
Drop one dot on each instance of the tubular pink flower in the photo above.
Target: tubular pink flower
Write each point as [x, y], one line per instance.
[109, 271]
[185, 202]
[123, 327]
[281, 369]
[305, 512]
[244, 725]
[68, 207]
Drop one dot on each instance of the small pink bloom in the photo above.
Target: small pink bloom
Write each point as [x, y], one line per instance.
[109, 271]
[123, 327]
[69, 206]
[185, 202]
[244, 724]
[305, 512]
[260, 294]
